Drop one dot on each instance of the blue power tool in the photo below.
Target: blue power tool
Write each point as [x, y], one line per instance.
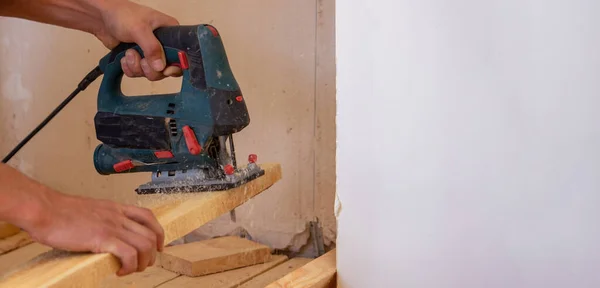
[184, 139]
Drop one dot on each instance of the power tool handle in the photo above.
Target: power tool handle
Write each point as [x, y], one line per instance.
[176, 40]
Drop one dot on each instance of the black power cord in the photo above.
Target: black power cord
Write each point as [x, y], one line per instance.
[89, 78]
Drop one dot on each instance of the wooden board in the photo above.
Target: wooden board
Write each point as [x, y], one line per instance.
[213, 256]
[7, 230]
[319, 273]
[227, 279]
[14, 242]
[276, 273]
[178, 214]
[17, 257]
[149, 278]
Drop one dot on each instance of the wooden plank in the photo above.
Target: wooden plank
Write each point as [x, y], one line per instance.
[213, 256]
[276, 273]
[227, 279]
[319, 273]
[7, 230]
[17, 257]
[149, 278]
[178, 214]
[14, 242]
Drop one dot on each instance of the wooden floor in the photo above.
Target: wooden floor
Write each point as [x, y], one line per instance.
[273, 270]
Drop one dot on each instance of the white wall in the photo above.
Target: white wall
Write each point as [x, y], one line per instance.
[468, 143]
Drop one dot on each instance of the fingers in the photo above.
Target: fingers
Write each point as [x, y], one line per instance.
[126, 254]
[134, 66]
[155, 66]
[131, 64]
[146, 217]
[149, 72]
[151, 47]
[146, 233]
[173, 71]
[145, 248]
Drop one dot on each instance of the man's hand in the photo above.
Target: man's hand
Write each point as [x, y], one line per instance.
[70, 223]
[111, 21]
[80, 224]
[125, 21]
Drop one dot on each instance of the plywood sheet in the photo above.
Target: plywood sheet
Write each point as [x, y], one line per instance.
[213, 255]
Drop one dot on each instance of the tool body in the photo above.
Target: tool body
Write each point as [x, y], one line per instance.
[185, 139]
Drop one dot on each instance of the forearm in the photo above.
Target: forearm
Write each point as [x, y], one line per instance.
[21, 199]
[84, 15]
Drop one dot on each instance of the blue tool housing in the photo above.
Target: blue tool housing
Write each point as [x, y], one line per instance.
[179, 131]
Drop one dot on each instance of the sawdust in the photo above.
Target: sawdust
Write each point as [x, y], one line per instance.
[50, 256]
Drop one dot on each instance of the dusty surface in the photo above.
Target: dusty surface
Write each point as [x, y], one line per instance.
[282, 55]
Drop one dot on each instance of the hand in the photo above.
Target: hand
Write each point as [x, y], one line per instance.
[125, 21]
[78, 224]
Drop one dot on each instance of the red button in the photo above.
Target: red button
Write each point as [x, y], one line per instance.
[239, 98]
[163, 154]
[191, 141]
[183, 60]
[252, 158]
[123, 166]
[213, 30]
[228, 169]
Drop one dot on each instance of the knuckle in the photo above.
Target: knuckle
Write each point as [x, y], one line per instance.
[130, 256]
[146, 246]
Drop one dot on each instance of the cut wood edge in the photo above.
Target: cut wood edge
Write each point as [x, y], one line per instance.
[178, 214]
[7, 230]
[214, 255]
[14, 242]
[228, 279]
[319, 273]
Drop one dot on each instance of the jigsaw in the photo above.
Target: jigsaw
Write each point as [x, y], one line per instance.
[184, 139]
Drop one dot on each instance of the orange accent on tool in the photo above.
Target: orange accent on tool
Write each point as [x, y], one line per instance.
[191, 141]
[213, 30]
[163, 154]
[123, 166]
[183, 60]
[252, 158]
[228, 169]
[239, 98]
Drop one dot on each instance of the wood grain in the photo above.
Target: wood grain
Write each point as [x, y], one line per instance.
[149, 278]
[227, 279]
[213, 256]
[14, 242]
[7, 230]
[276, 273]
[17, 257]
[178, 214]
[319, 273]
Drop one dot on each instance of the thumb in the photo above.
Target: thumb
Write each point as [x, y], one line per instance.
[151, 47]
[153, 50]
